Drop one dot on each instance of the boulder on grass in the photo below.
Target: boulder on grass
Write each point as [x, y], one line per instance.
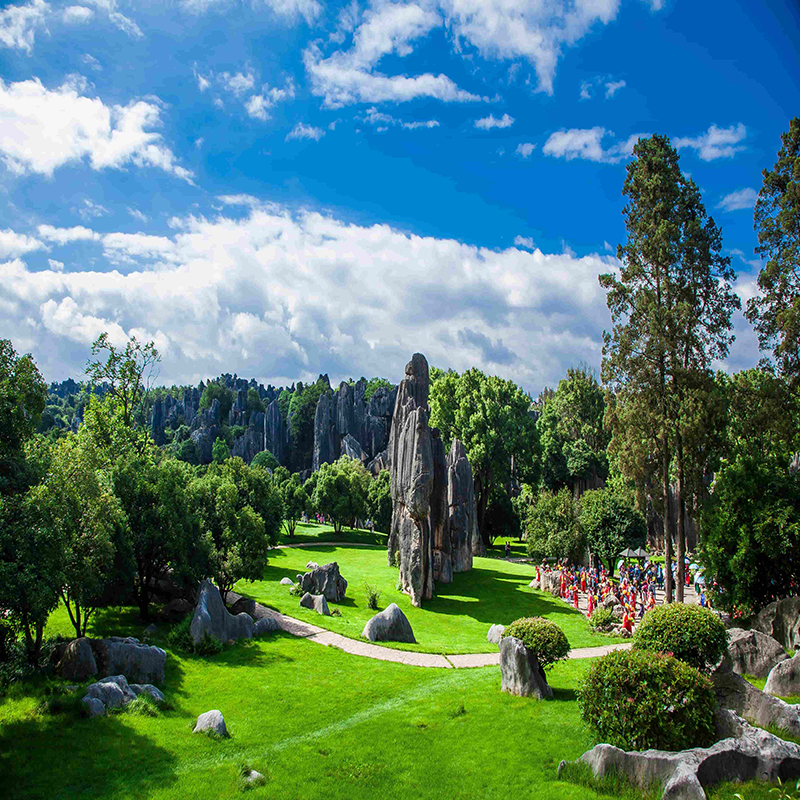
[324, 580]
[78, 662]
[287, 582]
[784, 679]
[266, 625]
[317, 602]
[522, 674]
[93, 706]
[112, 691]
[244, 605]
[753, 652]
[212, 618]
[390, 625]
[495, 634]
[141, 663]
[155, 694]
[213, 722]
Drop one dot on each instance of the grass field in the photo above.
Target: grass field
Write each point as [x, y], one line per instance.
[455, 621]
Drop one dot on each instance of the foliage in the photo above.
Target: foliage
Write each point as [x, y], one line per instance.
[187, 451]
[611, 523]
[266, 460]
[637, 700]
[775, 313]
[491, 417]
[379, 501]
[602, 619]
[501, 517]
[293, 495]
[218, 391]
[552, 527]
[751, 533]
[691, 633]
[302, 409]
[255, 405]
[341, 492]
[373, 596]
[542, 637]
[374, 384]
[180, 637]
[220, 451]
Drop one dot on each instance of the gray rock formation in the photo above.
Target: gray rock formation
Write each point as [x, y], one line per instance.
[323, 452]
[522, 674]
[276, 436]
[753, 652]
[138, 662]
[154, 693]
[212, 618]
[244, 605]
[781, 621]
[754, 755]
[94, 707]
[315, 602]
[326, 581]
[212, 722]
[112, 692]
[390, 625]
[157, 423]
[434, 520]
[77, 662]
[251, 442]
[380, 462]
[287, 582]
[265, 625]
[352, 449]
[784, 679]
[495, 634]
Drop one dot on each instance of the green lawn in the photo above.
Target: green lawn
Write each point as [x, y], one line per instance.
[455, 621]
[312, 532]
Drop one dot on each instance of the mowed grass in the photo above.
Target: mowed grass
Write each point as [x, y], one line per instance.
[313, 532]
[456, 620]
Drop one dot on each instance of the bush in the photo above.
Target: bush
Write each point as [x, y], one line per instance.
[602, 619]
[373, 596]
[180, 638]
[637, 700]
[544, 638]
[693, 634]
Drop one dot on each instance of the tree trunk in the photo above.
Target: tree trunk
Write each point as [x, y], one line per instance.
[681, 534]
[482, 496]
[667, 534]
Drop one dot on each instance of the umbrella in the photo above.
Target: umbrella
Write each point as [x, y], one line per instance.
[628, 553]
[640, 553]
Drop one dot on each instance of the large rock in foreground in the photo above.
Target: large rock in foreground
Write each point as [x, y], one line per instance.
[326, 581]
[138, 662]
[212, 618]
[784, 680]
[390, 625]
[753, 652]
[753, 755]
[522, 673]
[78, 661]
[316, 602]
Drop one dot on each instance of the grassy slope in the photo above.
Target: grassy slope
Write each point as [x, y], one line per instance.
[455, 621]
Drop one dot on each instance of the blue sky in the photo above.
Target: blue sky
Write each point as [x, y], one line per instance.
[280, 188]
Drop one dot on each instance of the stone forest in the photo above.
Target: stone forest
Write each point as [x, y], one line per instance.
[432, 583]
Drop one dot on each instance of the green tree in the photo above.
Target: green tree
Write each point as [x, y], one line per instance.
[218, 391]
[671, 307]
[552, 527]
[611, 523]
[491, 416]
[265, 460]
[187, 451]
[254, 403]
[341, 492]
[374, 384]
[293, 495]
[220, 451]
[379, 501]
[775, 313]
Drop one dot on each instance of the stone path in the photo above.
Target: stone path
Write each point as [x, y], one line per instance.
[358, 648]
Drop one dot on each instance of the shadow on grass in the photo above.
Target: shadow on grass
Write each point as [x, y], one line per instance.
[84, 758]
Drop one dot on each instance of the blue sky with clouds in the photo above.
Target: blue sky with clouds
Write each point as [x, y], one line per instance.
[280, 188]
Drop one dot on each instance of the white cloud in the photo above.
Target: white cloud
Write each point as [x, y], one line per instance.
[91, 62]
[202, 82]
[13, 244]
[56, 266]
[428, 123]
[136, 214]
[303, 131]
[487, 123]
[238, 83]
[18, 24]
[586, 90]
[587, 143]
[288, 9]
[257, 105]
[613, 87]
[524, 241]
[89, 210]
[607, 247]
[383, 121]
[715, 142]
[525, 149]
[67, 235]
[350, 76]
[44, 130]
[77, 15]
[116, 18]
[284, 296]
[736, 201]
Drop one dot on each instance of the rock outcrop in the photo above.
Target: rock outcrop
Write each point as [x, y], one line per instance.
[84, 658]
[276, 437]
[753, 755]
[265, 625]
[390, 625]
[522, 673]
[77, 661]
[212, 618]
[326, 581]
[781, 621]
[434, 530]
[315, 602]
[784, 679]
[753, 652]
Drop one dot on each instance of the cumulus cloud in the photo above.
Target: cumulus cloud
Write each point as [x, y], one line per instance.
[91, 62]
[56, 266]
[242, 85]
[18, 24]
[487, 123]
[524, 241]
[258, 104]
[282, 296]
[237, 83]
[14, 244]
[77, 15]
[587, 143]
[613, 87]
[303, 131]
[45, 129]
[736, 201]
[715, 142]
[525, 149]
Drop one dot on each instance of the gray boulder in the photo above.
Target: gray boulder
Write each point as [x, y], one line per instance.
[253, 778]
[212, 618]
[495, 634]
[326, 581]
[352, 449]
[317, 602]
[244, 605]
[155, 694]
[462, 510]
[522, 673]
[112, 691]
[78, 662]
[754, 755]
[211, 721]
[265, 625]
[93, 706]
[141, 663]
[287, 582]
[390, 625]
[781, 621]
[784, 679]
[753, 652]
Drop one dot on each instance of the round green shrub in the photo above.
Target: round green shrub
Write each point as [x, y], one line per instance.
[602, 619]
[691, 633]
[544, 638]
[638, 700]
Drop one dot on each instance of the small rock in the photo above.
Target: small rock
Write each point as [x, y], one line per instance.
[211, 721]
[156, 695]
[253, 778]
[287, 582]
[522, 673]
[317, 602]
[266, 625]
[112, 692]
[94, 706]
[784, 679]
[390, 625]
[495, 634]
